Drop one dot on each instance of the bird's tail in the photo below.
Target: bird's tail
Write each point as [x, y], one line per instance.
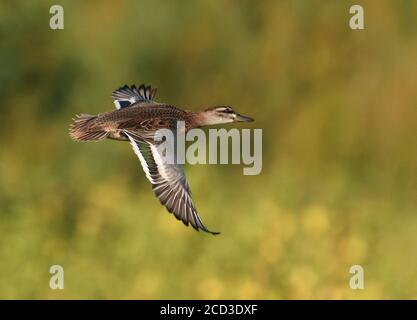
[83, 128]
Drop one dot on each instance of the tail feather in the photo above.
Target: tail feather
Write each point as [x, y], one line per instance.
[83, 129]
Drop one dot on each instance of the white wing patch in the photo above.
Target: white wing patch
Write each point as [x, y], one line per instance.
[141, 158]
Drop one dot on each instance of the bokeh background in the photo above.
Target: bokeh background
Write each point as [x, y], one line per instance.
[338, 109]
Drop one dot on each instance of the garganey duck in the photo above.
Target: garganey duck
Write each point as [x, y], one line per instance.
[136, 119]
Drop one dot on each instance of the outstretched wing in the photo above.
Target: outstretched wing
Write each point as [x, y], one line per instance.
[168, 183]
[126, 96]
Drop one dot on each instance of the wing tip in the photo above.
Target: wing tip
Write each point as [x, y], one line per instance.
[214, 233]
[202, 227]
[188, 223]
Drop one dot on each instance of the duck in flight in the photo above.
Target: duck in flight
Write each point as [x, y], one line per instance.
[136, 119]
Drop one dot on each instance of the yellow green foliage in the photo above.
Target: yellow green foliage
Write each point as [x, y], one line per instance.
[338, 109]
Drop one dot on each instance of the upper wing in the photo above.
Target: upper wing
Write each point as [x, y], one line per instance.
[168, 183]
[126, 96]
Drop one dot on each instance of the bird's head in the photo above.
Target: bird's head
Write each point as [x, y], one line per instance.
[223, 114]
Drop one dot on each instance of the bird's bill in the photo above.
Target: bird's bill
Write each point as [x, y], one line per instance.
[241, 118]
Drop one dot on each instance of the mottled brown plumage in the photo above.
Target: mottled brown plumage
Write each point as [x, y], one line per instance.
[137, 119]
[144, 120]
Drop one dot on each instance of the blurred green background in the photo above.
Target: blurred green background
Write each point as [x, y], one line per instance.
[339, 182]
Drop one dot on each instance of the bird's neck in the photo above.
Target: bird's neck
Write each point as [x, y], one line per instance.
[201, 119]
